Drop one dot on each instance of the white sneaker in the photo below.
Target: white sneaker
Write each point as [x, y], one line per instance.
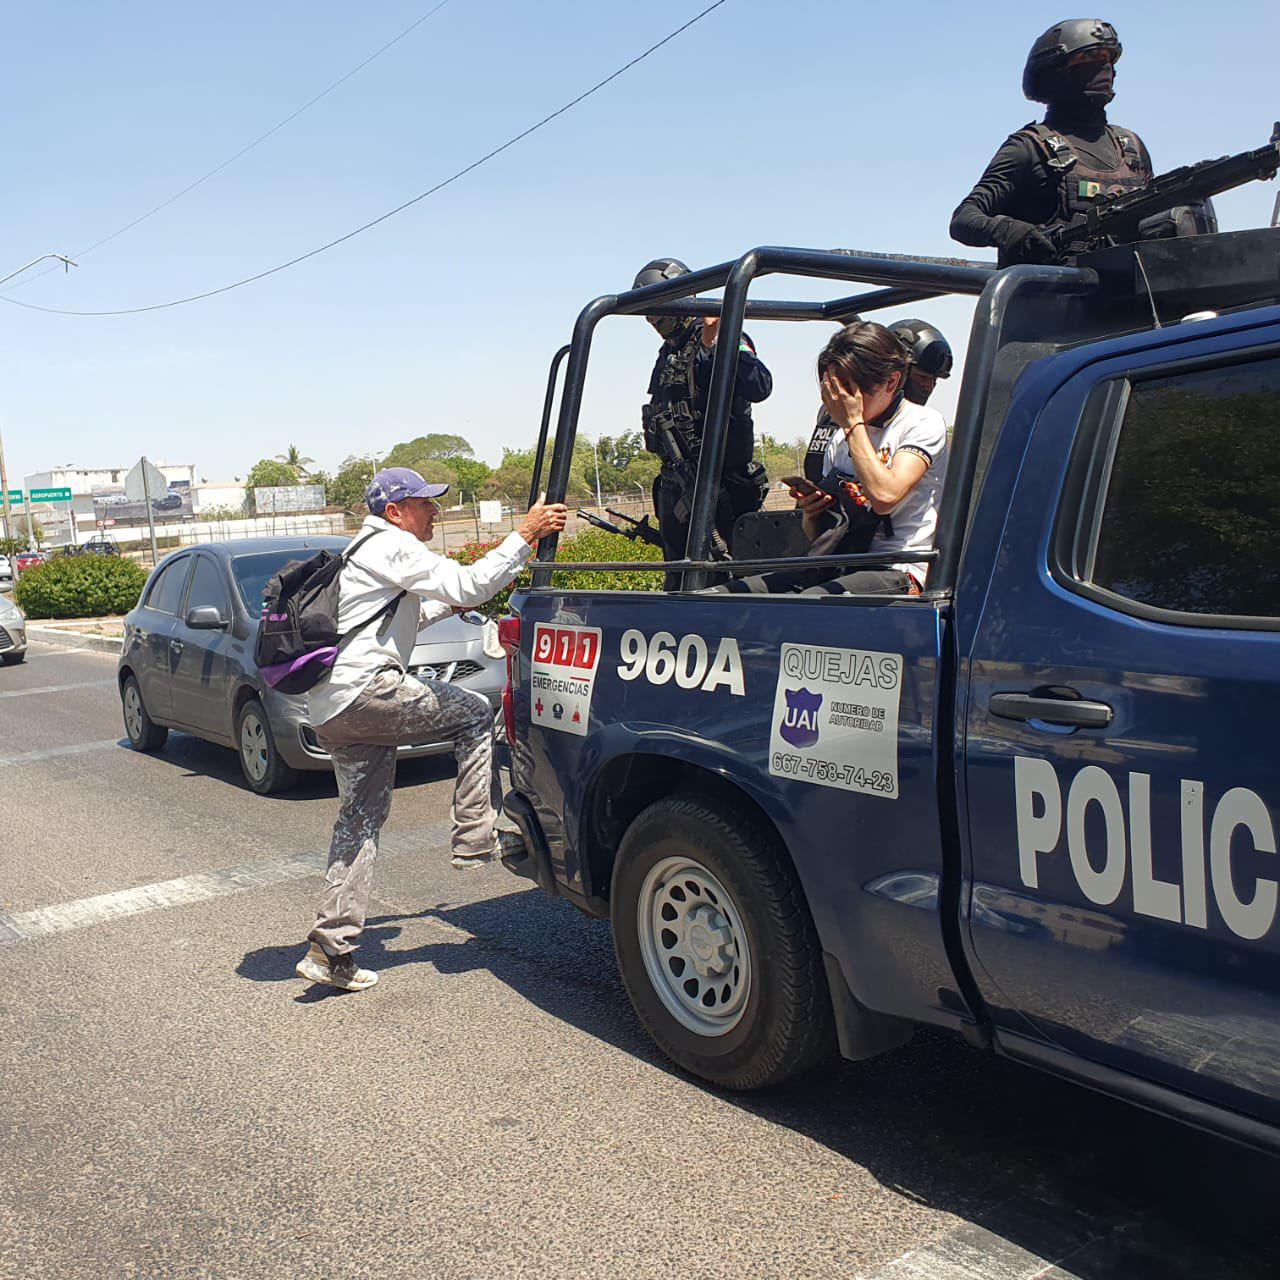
[334, 971]
[468, 861]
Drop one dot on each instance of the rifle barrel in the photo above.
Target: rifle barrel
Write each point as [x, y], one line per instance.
[1117, 217]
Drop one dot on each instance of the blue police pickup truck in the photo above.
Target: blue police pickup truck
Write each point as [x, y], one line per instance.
[1038, 802]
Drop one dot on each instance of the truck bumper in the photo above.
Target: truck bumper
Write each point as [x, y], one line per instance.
[533, 862]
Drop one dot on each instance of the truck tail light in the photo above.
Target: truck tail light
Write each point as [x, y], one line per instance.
[509, 639]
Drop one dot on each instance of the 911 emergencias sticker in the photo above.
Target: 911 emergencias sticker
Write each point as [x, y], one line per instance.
[565, 660]
[835, 718]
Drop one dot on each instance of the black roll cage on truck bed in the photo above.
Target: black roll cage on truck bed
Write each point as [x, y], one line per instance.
[1022, 313]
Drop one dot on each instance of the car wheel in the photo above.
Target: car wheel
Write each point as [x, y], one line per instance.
[143, 732]
[264, 770]
[716, 946]
[12, 659]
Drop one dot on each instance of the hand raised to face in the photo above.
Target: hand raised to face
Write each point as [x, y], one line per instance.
[842, 401]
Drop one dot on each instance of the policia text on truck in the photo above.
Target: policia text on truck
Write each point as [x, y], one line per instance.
[1035, 803]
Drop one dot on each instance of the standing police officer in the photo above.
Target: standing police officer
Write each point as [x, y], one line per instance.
[1048, 172]
[674, 417]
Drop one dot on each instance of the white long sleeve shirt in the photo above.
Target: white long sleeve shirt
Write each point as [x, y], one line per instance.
[392, 562]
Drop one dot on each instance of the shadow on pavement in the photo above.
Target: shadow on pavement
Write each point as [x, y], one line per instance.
[1023, 1155]
[192, 757]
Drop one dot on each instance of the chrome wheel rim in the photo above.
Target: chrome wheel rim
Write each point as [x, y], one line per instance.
[253, 746]
[133, 712]
[694, 947]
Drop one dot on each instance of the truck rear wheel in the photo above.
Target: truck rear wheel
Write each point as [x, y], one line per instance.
[716, 946]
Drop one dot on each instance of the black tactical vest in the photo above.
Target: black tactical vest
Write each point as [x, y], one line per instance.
[1081, 181]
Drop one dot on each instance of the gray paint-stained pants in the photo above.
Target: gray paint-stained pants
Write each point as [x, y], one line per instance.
[395, 710]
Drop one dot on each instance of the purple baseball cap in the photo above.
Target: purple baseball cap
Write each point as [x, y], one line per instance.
[394, 484]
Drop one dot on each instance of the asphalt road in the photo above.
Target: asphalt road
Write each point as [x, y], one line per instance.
[174, 1102]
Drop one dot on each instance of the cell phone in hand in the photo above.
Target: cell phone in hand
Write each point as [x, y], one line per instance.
[800, 484]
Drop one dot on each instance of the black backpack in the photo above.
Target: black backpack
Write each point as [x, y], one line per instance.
[298, 640]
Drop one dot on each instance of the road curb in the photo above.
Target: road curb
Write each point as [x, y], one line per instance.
[72, 640]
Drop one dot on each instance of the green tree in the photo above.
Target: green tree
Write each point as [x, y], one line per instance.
[270, 473]
[513, 476]
[325, 481]
[641, 472]
[619, 452]
[295, 460]
[438, 472]
[430, 448]
[471, 473]
[779, 458]
[346, 490]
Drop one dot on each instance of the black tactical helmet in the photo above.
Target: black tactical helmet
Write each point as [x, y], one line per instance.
[926, 348]
[1042, 77]
[658, 270]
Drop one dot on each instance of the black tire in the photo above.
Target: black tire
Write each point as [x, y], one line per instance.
[12, 659]
[260, 761]
[143, 732]
[781, 1023]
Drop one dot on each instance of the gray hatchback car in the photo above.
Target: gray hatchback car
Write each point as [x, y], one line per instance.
[187, 660]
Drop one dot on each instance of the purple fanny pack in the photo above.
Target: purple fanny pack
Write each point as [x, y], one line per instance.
[276, 674]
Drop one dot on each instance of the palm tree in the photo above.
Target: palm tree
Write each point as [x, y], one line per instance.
[295, 461]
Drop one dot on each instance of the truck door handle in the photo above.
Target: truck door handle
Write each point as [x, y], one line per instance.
[175, 647]
[1077, 712]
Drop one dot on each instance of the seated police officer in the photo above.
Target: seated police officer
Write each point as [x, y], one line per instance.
[928, 357]
[673, 422]
[1048, 172]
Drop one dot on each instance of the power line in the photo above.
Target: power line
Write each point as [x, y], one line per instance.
[292, 116]
[475, 164]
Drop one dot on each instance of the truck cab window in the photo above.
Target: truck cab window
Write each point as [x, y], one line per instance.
[1191, 518]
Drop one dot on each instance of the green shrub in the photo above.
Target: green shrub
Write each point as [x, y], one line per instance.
[85, 586]
[591, 545]
[596, 544]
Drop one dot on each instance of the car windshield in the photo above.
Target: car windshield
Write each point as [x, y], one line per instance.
[253, 572]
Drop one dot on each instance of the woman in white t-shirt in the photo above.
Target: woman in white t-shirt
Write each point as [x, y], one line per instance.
[883, 468]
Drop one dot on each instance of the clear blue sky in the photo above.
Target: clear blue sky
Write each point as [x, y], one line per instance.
[853, 124]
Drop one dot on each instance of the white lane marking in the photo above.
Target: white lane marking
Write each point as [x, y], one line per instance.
[56, 688]
[23, 926]
[58, 649]
[1050, 1235]
[50, 753]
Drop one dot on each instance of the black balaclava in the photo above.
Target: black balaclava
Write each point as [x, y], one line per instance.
[1080, 95]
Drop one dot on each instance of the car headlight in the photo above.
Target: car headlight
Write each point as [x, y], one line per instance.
[9, 612]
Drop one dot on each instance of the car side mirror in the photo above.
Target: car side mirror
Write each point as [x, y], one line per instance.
[205, 617]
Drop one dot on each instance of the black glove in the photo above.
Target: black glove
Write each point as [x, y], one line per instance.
[1024, 242]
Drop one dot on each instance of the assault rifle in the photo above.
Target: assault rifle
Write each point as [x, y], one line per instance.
[639, 531]
[1118, 219]
[679, 462]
